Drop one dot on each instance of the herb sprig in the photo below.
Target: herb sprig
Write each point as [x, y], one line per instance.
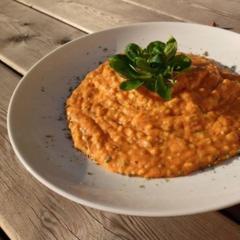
[153, 67]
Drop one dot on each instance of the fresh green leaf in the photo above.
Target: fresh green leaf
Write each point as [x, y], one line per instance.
[170, 48]
[141, 63]
[168, 72]
[131, 84]
[121, 64]
[155, 47]
[171, 40]
[156, 60]
[150, 84]
[162, 88]
[153, 67]
[181, 62]
[132, 51]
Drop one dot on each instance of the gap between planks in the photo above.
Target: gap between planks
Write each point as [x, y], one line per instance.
[27, 35]
[60, 19]
[56, 17]
[90, 16]
[3, 236]
[198, 11]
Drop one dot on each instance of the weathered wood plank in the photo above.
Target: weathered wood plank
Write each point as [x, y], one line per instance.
[31, 34]
[93, 15]
[225, 13]
[27, 35]
[82, 13]
[226, 8]
[31, 211]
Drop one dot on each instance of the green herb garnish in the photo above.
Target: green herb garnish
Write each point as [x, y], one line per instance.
[153, 67]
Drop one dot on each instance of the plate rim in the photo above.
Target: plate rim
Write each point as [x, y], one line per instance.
[100, 206]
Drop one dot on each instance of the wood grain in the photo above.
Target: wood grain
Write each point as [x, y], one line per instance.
[82, 14]
[92, 15]
[230, 8]
[224, 13]
[30, 211]
[27, 35]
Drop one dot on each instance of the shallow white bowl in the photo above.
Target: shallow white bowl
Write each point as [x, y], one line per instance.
[37, 107]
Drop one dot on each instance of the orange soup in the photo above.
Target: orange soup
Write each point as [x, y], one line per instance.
[137, 133]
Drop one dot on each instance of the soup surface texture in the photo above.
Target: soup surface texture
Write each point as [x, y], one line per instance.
[137, 133]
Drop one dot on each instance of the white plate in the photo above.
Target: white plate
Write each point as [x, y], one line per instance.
[38, 102]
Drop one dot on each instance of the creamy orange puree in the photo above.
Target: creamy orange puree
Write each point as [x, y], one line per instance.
[137, 133]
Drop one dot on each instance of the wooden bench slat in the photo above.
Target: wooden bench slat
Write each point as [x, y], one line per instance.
[92, 15]
[28, 209]
[224, 13]
[27, 35]
[85, 14]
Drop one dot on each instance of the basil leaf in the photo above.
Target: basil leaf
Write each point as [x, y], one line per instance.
[156, 60]
[155, 47]
[132, 51]
[121, 64]
[131, 84]
[170, 48]
[171, 40]
[152, 67]
[181, 62]
[168, 72]
[162, 88]
[150, 84]
[141, 63]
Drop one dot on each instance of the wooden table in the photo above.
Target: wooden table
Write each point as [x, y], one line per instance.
[29, 30]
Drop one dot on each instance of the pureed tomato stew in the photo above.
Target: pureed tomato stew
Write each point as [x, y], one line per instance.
[139, 134]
